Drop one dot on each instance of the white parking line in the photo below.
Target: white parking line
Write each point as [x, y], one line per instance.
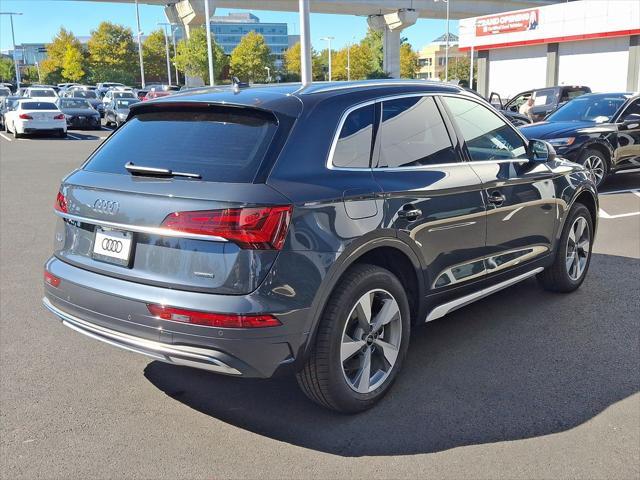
[629, 190]
[633, 170]
[73, 136]
[5, 137]
[604, 214]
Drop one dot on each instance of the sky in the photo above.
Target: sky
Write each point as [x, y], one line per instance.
[41, 20]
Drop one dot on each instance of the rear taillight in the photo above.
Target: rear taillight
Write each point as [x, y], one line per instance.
[59, 117]
[25, 116]
[61, 203]
[51, 279]
[208, 319]
[261, 228]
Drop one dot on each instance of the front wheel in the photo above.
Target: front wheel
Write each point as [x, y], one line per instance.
[573, 254]
[361, 342]
[596, 163]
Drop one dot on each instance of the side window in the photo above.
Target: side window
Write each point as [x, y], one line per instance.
[413, 134]
[544, 97]
[486, 135]
[353, 148]
[517, 102]
[631, 112]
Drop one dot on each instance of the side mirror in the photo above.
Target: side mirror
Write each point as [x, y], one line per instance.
[631, 121]
[541, 151]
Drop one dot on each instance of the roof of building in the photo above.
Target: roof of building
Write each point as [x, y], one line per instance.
[443, 38]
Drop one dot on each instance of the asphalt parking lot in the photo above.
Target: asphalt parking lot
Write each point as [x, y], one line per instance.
[524, 384]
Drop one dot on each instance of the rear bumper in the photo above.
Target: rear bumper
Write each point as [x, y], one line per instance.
[179, 355]
[115, 311]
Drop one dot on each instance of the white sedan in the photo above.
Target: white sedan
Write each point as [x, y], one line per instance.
[33, 116]
[41, 93]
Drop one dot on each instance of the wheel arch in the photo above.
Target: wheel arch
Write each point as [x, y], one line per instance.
[386, 252]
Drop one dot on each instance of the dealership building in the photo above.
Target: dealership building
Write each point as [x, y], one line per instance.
[589, 42]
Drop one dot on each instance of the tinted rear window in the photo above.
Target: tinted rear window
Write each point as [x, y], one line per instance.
[38, 106]
[225, 145]
[42, 93]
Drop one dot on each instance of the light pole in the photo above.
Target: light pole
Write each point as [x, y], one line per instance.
[268, 74]
[166, 48]
[212, 81]
[13, 41]
[446, 48]
[140, 46]
[328, 39]
[349, 59]
[306, 73]
[175, 51]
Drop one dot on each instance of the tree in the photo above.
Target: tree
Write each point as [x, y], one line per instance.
[155, 57]
[51, 67]
[459, 70]
[73, 64]
[293, 67]
[358, 57]
[30, 74]
[112, 54]
[373, 41]
[192, 56]
[408, 61]
[7, 70]
[250, 58]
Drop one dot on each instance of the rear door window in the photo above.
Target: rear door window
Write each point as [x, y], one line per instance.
[413, 134]
[221, 145]
[353, 147]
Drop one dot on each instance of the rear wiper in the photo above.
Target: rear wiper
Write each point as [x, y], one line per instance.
[157, 172]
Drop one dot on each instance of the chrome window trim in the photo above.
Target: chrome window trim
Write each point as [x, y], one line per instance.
[345, 114]
[163, 232]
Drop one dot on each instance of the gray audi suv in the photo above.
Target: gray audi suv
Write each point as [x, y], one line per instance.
[308, 230]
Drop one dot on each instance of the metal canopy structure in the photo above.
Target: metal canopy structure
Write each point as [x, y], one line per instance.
[388, 16]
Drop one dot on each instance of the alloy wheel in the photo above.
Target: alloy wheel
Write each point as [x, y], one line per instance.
[596, 168]
[371, 341]
[578, 248]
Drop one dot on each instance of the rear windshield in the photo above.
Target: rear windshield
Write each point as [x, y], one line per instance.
[38, 106]
[222, 146]
[84, 94]
[126, 102]
[42, 93]
[75, 103]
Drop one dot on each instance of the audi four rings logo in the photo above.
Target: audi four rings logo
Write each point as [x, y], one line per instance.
[106, 206]
[110, 245]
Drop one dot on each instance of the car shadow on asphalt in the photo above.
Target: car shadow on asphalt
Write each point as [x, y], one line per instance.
[520, 364]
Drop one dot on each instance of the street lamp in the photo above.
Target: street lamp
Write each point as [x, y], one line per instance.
[268, 74]
[349, 58]
[166, 48]
[446, 50]
[140, 46]
[13, 41]
[328, 39]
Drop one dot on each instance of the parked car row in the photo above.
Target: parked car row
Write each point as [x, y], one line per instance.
[80, 106]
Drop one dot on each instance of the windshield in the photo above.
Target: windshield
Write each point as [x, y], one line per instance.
[5, 92]
[221, 145]
[123, 95]
[124, 103]
[42, 93]
[74, 103]
[85, 94]
[589, 108]
[38, 106]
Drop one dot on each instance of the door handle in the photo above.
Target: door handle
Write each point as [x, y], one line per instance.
[496, 198]
[410, 212]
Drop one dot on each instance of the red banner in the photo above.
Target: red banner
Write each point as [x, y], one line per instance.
[509, 22]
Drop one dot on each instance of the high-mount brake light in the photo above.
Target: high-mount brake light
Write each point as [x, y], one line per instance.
[259, 228]
[210, 319]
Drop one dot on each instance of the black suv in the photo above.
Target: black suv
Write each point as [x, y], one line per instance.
[258, 231]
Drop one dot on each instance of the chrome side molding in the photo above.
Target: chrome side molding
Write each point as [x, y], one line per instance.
[441, 310]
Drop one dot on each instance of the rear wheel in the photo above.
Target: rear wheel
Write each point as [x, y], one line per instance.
[361, 341]
[596, 163]
[15, 131]
[62, 134]
[573, 257]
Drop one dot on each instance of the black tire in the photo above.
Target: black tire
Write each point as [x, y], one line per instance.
[556, 278]
[62, 134]
[322, 378]
[590, 156]
[15, 132]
